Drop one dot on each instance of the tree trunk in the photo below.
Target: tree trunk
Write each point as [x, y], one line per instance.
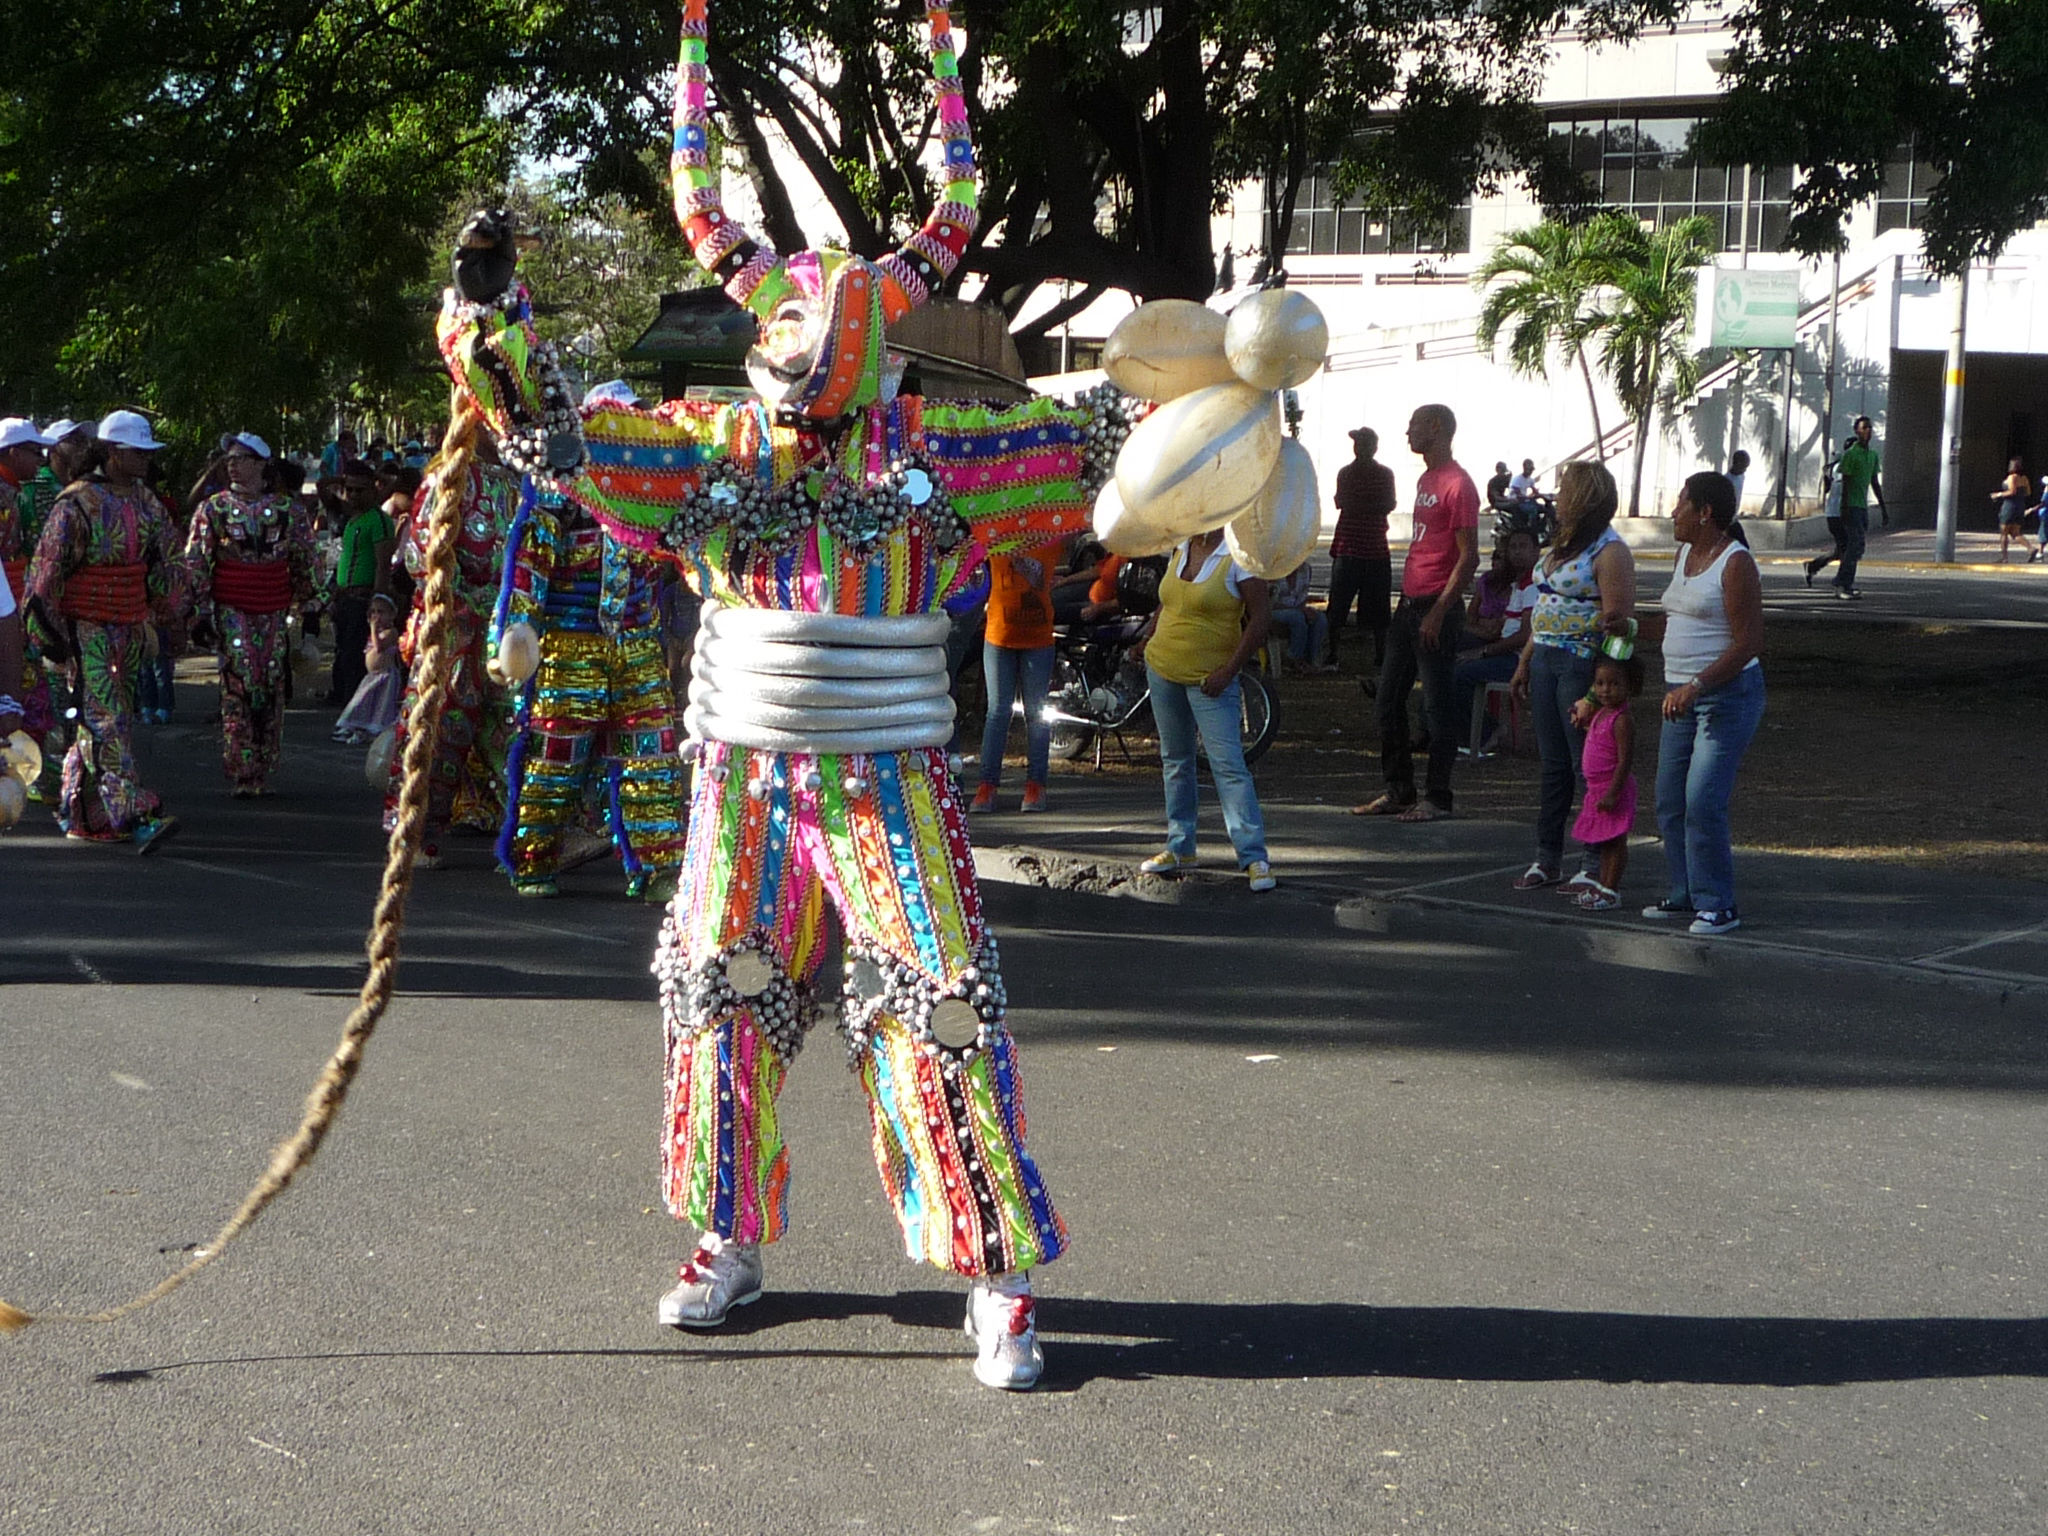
[1635, 488]
[1593, 405]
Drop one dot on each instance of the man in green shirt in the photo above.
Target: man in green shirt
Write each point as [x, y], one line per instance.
[366, 540]
[1858, 468]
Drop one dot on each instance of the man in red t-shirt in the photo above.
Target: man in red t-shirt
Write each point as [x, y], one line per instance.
[1422, 641]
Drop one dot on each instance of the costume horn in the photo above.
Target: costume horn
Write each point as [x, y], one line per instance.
[749, 267]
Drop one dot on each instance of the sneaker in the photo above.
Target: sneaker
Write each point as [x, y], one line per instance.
[1669, 908]
[1166, 862]
[716, 1278]
[429, 857]
[984, 800]
[1004, 1328]
[535, 888]
[1261, 874]
[150, 834]
[1034, 798]
[1708, 923]
[1812, 571]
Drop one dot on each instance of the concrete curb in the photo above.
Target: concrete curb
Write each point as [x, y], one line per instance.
[1608, 940]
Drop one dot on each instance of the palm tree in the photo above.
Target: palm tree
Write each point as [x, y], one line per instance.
[1643, 290]
[1538, 286]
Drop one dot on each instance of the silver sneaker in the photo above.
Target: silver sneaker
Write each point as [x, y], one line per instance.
[716, 1278]
[1005, 1333]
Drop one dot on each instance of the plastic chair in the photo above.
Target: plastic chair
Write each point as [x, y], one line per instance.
[1514, 721]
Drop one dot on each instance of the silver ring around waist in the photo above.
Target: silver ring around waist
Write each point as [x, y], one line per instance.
[820, 683]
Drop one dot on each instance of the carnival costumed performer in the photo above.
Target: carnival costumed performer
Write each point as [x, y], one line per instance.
[473, 718]
[70, 444]
[599, 704]
[826, 524]
[249, 557]
[21, 466]
[103, 568]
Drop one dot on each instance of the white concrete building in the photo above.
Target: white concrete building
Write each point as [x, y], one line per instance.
[1402, 313]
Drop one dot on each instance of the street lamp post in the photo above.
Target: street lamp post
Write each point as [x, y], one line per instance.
[1951, 425]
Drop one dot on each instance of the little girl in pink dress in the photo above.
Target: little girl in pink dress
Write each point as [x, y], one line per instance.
[1608, 813]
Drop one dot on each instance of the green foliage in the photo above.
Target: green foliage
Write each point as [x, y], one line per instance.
[1539, 286]
[1834, 87]
[222, 213]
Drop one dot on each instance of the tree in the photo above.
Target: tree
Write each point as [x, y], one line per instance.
[1644, 294]
[1833, 87]
[224, 213]
[1538, 284]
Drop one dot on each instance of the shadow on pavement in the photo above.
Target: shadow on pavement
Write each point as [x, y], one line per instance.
[1091, 1340]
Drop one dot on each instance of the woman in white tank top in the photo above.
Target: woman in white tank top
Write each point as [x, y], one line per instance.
[1713, 702]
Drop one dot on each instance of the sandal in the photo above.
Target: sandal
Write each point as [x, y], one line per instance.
[1578, 885]
[1424, 810]
[1534, 878]
[1385, 805]
[1598, 898]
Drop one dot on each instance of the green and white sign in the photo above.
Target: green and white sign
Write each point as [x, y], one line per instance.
[1746, 307]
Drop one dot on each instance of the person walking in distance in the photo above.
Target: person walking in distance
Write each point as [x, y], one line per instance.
[1361, 565]
[1422, 641]
[2013, 496]
[1860, 475]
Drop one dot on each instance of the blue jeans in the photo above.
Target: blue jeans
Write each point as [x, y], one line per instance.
[1307, 633]
[1181, 710]
[1697, 756]
[156, 690]
[1855, 529]
[1006, 674]
[1557, 680]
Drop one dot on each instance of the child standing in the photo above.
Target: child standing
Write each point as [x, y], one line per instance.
[1609, 811]
[373, 708]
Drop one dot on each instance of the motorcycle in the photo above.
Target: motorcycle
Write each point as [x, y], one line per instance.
[1099, 690]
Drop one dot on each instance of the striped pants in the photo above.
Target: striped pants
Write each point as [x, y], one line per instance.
[602, 705]
[777, 843]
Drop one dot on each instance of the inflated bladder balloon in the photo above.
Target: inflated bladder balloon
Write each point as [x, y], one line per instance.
[1278, 530]
[13, 801]
[1166, 349]
[1276, 339]
[1192, 463]
[518, 655]
[1120, 534]
[21, 757]
[377, 761]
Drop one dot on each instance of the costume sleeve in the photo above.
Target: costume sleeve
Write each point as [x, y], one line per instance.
[529, 564]
[298, 551]
[1020, 474]
[165, 576]
[199, 553]
[59, 552]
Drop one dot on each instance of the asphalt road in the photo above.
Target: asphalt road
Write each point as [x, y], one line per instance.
[1445, 1229]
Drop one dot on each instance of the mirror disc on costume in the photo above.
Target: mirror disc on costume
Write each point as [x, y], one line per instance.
[955, 1024]
[749, 973]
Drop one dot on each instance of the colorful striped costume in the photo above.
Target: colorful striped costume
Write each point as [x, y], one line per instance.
[826, 525]
[104, 566]
[474, 720]
[601, 702]
[250, 562]
[17, 540]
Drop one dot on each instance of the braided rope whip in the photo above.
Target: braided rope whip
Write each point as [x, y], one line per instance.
[449, 474]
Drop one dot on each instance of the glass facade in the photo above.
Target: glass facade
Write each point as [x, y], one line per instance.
[1902, 201]
[1325, 225]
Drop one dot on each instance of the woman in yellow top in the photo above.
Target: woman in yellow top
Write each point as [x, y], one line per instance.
[1212, 616]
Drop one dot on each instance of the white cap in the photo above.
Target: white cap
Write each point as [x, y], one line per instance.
[126, 429]
[611, 392]
[62, 428]
[18, 430]
[253, 443]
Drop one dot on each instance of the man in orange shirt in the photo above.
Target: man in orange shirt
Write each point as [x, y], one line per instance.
[1016, 659]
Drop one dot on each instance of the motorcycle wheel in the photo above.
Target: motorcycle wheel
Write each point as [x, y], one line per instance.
[1068, 693]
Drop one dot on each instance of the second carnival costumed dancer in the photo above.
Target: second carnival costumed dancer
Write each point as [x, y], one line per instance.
[826, 523]
[472, 717]
[249, 557]
[103, 568]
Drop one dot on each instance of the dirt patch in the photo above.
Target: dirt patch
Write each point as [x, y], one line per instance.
[1918, 744]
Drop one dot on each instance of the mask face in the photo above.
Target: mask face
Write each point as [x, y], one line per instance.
[786, 349]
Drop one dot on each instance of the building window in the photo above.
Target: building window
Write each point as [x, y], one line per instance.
[1326, 225]
[1651, 167]
[1902, 200]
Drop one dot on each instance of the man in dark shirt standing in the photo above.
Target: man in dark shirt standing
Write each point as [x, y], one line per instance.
[1361, 567]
